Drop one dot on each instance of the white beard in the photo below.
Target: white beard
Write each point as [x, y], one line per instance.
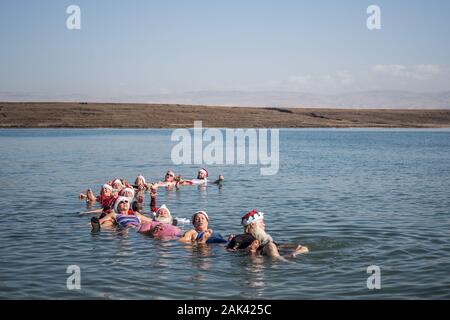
[167, 220]
[261, 235]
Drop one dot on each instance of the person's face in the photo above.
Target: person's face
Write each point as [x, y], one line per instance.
[261, 224]
[163, 213]
[201, 175]
[106, 191]
[169, 177]
[257, 225]
[128, 194]
[123, 206]
[200, 222]
[117, 185]
[139, 181]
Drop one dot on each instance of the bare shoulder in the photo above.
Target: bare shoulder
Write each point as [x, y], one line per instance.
[189, 235]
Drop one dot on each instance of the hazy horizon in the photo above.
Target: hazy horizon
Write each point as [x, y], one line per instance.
[349, 100]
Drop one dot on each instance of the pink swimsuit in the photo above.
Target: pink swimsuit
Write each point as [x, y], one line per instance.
[167, 230]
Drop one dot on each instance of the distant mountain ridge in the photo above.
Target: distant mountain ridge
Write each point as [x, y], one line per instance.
[381, 99]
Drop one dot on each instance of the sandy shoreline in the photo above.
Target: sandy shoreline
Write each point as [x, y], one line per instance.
[107, 115]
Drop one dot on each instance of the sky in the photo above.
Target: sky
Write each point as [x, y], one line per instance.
[137, 48]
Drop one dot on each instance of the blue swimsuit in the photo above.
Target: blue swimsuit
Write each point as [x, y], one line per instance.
[214, 238]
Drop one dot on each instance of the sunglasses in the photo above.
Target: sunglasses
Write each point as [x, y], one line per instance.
[123, 201]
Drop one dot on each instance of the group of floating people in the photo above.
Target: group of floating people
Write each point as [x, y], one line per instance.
[122, 207]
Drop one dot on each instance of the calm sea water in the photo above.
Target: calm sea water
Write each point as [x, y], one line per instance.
[355, 197]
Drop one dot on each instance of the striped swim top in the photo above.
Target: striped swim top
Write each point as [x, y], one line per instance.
[127, 221]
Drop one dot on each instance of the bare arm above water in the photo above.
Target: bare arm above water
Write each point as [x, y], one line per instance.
[189, 236]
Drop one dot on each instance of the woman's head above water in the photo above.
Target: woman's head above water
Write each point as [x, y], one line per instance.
[106, 190]
[170, 175]
[140, 180]
[122, 205]
[117, 184]
[200, 221]
[127, 192]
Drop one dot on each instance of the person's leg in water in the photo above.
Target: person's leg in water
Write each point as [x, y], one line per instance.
[105, 221]
[102, 215]
[90, 196]
[95, 224]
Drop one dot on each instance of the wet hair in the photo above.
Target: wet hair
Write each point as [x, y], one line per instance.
[241, 241]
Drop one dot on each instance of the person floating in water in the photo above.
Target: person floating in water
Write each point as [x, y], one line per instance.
[163, 225]
[169, 180]
[140, 183]
[127, 192]
[202, 179]
[106, 198]
[140, 186]
[118, 185]
[201, 233]
[257, 241]
[105, 192]
[122, 216]
[161, 214]
[136, 198]
[219, 180]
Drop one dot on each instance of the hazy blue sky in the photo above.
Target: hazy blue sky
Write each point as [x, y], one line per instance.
[127, 48]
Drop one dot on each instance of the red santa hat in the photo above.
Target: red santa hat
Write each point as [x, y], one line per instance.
[251, 217]
[107, 186]
[117, 181]
[204, 171]
[122, 192]
[118, 201]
